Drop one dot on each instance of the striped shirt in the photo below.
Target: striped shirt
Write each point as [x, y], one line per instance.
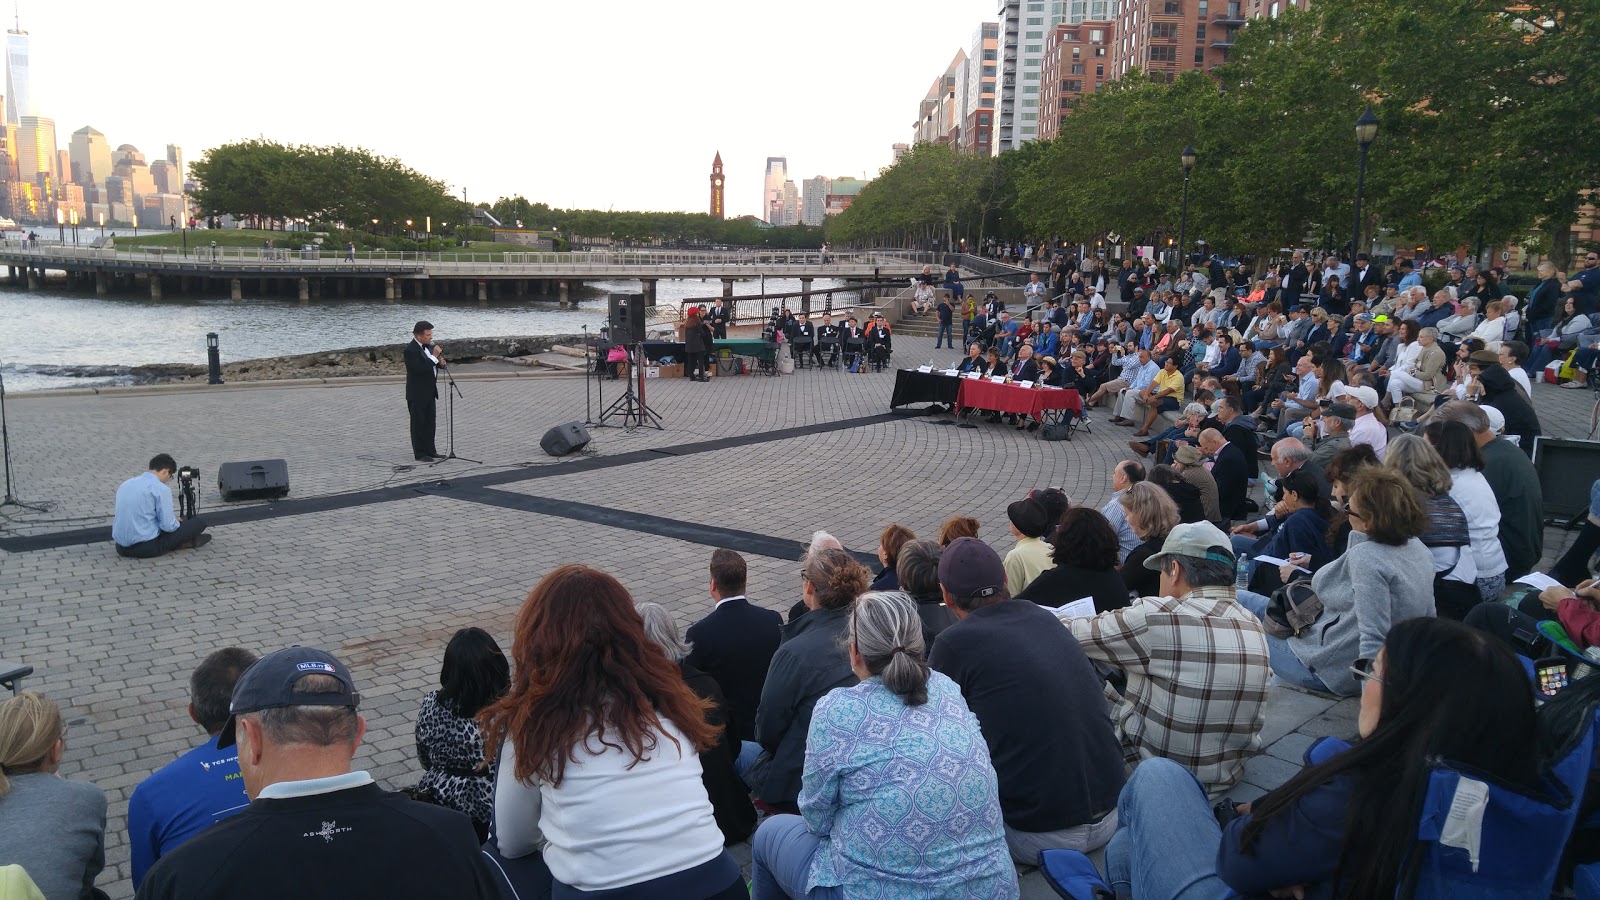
[1197, 669]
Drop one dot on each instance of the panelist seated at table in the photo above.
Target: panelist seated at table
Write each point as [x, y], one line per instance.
[974, 362]
[1025, 367]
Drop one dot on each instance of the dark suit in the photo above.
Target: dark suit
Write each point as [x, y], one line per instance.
[734, 644]
[1359, 279]
[720, 317]
[1025, 370]
[1232, 476]
[422, 397]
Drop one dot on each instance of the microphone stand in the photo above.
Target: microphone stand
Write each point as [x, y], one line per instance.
[5, 445]
[588, 372]
[453, 391]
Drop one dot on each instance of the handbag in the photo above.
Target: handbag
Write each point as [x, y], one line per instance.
[1292, 609]
[1404, 411]
[1568, 370]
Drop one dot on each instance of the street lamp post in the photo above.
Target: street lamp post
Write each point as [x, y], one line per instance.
[61, 223]
[102, 224]
[74, 218]
[1366, 132]
[1188, 159]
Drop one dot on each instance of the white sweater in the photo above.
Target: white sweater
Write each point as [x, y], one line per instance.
[608, 826]
[1476, 498]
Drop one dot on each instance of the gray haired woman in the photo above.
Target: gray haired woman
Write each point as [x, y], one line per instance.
[866, 751]
[730, 798]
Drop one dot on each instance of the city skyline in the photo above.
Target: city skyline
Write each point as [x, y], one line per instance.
[567, 141]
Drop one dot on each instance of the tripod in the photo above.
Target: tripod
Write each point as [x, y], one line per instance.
[5, 440]
[634, 411]
[452, 392]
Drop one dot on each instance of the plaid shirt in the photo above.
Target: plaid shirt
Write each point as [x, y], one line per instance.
[1197, 672]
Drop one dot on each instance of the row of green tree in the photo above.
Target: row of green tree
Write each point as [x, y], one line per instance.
[272, 182]
[1489, 131]
[646, 227]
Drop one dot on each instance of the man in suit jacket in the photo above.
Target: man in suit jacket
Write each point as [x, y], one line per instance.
[1362, 275]
[735, 643]
[423, 360]
[720, 317]
[1025, 368]
[1230, 473]
[827, 339]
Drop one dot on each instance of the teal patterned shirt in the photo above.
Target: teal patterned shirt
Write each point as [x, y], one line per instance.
[904, 797]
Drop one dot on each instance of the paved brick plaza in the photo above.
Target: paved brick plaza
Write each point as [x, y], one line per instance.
[385, 583]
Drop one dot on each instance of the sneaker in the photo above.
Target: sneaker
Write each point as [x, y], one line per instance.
[1574, 386]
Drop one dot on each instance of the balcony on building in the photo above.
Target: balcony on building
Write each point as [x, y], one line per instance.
[1230, 14]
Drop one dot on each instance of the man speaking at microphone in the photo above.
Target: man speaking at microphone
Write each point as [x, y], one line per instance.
[423, 360]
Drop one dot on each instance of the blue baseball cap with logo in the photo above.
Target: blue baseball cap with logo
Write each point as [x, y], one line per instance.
[269, 684]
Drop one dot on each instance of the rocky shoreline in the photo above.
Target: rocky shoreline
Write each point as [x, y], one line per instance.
[385, 359]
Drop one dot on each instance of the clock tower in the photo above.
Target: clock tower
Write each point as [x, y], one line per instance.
[717, 192]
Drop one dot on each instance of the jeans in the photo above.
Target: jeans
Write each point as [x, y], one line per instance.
[1166, 843]
[966, 333]
[780, 861]
[1285, 664]
[945, 335]
[1243, 545]
[749, 751]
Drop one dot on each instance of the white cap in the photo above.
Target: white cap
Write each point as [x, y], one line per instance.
[1368, 396]
[1497, 420]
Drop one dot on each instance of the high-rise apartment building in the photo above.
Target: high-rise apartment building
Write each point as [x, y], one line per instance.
[36, 150]
[983, 73]
[772, 190]
[89, 155]
[1077, 60]
[1005, 137]
[791, 205]
[18, 99]
[814, 200]
[939, 116]
[1172, 36]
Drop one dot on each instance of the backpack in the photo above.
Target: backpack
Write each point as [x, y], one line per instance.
[1292, 609]
[1061, 431]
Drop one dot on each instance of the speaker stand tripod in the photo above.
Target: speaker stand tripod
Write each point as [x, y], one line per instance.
[10, 499]
[452, 391]
[631, 406]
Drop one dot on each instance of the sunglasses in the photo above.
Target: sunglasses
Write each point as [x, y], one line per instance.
[1362, 670]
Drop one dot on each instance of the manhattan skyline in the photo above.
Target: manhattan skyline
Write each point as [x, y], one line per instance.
[617, 105]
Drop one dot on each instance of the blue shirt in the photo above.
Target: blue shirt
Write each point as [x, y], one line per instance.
[1411, 279]
[1587, 295]
[182, 799]
[1143, 375]
[905, 798]
[144, 510]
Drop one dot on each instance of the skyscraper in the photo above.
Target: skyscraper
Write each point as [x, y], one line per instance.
[17, 97]
[814, 200]
[90, 156]
[175, 156]
[718, 208]
[36, 150]
[772, 189]
[983, 71]
[791, 205]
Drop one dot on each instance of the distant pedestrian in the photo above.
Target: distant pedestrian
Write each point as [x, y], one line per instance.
[350, 251]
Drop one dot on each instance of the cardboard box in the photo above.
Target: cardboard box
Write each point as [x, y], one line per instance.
[674, 371]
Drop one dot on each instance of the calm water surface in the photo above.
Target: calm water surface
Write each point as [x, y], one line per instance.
[53, 339]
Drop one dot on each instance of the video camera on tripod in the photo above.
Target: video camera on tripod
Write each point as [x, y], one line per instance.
[188, 491]
[769, 332]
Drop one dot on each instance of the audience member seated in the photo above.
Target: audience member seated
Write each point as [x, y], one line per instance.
[449, 742]
[1342, 827]
[1185, 431]
[1196, 662]
[820, 540]
[1449, 535]
[199, 788]
[889, 543]
[957, 527]
[1470, 489]
[1232, 474]
[1152, 514]
[1384, 577]
[1137, 384]
[903, 732]
[1040, 704]
[1301, 537]
[1163, 394]
[1030, 523]
[734, 643]
[919, 578]
[53, 827]
[1085, 551]
[1573, 566]
[1187, 463]
[1186, 496]
[145, 525]
[600, 731]
[293, 717]
[729, 795]
[810, 662]
[1516, 486]
[1124, 474]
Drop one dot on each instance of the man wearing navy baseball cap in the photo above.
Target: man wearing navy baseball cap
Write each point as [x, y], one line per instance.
[315, 828]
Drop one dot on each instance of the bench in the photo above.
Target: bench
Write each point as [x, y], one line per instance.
[11, 675]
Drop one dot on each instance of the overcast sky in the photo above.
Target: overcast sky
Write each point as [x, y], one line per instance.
[588, 104]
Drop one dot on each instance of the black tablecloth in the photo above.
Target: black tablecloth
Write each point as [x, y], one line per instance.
[655, 350]
[912, 386]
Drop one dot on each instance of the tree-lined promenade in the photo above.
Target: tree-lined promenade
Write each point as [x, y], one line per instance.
[1489, 132]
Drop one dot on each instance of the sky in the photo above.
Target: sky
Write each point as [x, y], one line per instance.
[591, 104]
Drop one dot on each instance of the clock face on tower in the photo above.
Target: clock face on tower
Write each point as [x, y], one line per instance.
[716, 187]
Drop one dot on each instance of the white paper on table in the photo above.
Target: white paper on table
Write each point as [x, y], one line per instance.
[1274, 561]
[924, 369]
[998, 379]
[1025, 383]
[950, 371]
[1077, 609]
[1538, 581]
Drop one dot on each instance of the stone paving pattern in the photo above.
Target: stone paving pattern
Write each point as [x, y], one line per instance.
[385, 585]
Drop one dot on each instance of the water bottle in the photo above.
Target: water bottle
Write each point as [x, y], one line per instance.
[1241, 573]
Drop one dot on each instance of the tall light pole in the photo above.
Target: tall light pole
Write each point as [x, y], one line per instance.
[1366, 133]
[1188, 159]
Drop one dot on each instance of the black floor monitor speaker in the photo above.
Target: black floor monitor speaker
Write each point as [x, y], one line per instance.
[627, 318]
[563, 439]
[256, 479]
[1566, 470]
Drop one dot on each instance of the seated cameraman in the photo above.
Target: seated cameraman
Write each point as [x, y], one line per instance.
[144, 525]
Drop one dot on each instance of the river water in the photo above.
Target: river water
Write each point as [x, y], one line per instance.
[55, 339]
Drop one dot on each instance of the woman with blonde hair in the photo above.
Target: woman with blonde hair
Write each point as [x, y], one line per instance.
[1151, 513]
[54, 828]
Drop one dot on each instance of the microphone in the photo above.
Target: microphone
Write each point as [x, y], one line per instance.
[434, 349]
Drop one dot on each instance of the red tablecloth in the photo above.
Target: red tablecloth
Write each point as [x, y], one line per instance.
[1013, 398]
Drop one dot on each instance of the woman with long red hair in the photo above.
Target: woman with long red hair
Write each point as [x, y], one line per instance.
[598, 742]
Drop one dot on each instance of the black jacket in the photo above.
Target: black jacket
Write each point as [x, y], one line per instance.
[420, 375]
[1040, 705]
[810, 662]
[1187, 497]
[1500, 392]
[734, 644]
[969, 364]
[697, 338]
[1241, 435]
[730, 798]
[358, 842]
[935, 616]
[1064, 584]
[1232, 478]
[1025, 370]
